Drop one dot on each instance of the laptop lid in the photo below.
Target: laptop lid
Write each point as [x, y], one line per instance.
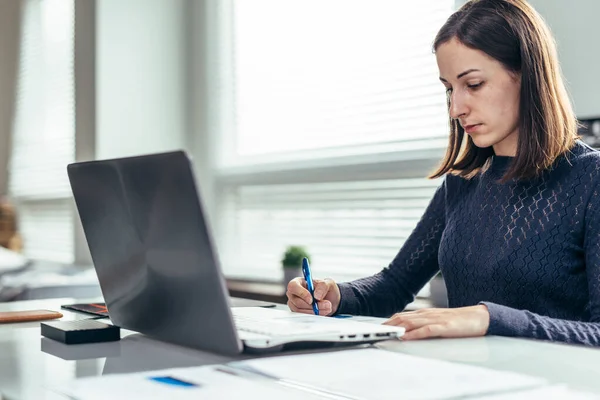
[152, 249]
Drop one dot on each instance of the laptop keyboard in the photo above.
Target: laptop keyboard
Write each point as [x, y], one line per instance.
[275, 327]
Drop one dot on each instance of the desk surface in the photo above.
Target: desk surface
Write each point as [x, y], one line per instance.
[28, 362]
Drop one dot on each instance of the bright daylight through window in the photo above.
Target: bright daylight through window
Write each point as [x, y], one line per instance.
[315, 85]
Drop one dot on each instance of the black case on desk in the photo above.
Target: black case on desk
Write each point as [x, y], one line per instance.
[82, 331]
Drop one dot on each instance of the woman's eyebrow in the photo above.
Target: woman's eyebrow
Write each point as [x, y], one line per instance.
[461, 74]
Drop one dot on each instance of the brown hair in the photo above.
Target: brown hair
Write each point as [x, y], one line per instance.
[514, 34]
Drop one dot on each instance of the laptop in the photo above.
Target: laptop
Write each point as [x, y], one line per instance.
[159, 272]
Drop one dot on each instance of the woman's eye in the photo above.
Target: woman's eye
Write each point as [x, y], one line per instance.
[475, 85]
[448, 90]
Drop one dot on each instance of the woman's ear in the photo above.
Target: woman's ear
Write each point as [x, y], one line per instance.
[516, 76]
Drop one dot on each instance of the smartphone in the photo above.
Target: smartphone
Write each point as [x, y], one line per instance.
[28, 316]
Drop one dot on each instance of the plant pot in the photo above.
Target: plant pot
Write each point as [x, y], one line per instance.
[291, 273]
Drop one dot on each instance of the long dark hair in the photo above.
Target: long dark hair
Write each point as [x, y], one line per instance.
[514, 34]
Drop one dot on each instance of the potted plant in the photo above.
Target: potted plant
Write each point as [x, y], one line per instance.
[292, 262]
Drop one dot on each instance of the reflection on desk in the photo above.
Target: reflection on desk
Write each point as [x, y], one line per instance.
[133, 353]
[28, 364]
[139, 353]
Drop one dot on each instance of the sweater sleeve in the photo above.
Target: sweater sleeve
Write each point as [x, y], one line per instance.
[390, 290]
[506, 321]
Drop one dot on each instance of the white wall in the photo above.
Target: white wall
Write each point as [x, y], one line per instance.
[141, 71]
[151, 82]
[575, 26]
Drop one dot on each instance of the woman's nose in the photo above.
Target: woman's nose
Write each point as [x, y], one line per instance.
[458, 106]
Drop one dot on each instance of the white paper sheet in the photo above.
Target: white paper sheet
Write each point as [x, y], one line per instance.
[379, 374]
[368, 320]
[554, 392]
[211, 383]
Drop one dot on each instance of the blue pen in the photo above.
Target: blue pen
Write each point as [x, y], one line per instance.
[309, 283]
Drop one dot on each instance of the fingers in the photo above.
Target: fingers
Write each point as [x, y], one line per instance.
[402, 317]
[427, 331]
[408, 323]
[297, 288]
[300, 300]
[430, 323]
[324, 307]
[418, 324]
[321, 288]
[298, 305]
[295, 308]
[396, 319]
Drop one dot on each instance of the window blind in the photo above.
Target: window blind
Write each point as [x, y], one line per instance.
[315, 81]
[47, 229]
[336, 77]
[44, 135]
[351, 229]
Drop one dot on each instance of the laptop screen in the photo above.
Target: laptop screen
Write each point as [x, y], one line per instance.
[152, 249]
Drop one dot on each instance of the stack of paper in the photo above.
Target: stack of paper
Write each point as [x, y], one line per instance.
[554, 392]
[379, 374]
[180, 384]
[356, 374]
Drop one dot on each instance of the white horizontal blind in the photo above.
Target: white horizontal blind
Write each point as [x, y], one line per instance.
[320, 78]
[351, 229]
[47, 229]
[44, 135]
[315, 80]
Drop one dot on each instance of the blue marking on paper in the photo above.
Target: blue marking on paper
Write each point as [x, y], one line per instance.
[169, 380]
[342, 316]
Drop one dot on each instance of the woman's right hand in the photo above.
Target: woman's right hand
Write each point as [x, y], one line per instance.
[327, 294]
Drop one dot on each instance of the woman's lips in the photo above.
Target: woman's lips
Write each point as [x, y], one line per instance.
[471, 128]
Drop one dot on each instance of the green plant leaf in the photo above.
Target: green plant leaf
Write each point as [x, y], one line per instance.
[292, 258]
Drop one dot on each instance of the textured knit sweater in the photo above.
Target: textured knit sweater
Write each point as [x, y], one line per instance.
[528, 250]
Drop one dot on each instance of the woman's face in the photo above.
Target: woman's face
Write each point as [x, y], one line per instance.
[484, 96]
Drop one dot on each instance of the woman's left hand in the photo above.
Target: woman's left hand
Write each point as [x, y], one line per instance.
[443, 322]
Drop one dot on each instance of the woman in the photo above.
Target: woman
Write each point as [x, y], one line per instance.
[515, 226]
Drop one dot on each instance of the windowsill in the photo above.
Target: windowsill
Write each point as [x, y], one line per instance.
[266, 291]
[274, 292]
[393, 165]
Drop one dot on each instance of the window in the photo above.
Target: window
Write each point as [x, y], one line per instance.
[352, 229]
[333, 115]
[318, 79]
[44, 136]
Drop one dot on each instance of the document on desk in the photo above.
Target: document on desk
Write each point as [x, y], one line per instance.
[557, 392]
[368, 320]
[208, 382]
[379, 374]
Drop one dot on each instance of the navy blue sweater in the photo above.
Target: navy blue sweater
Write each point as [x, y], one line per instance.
[528, 250]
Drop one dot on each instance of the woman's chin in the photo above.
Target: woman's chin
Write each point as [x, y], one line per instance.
[482, 141]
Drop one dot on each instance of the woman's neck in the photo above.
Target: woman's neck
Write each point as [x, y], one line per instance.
[508, 146]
